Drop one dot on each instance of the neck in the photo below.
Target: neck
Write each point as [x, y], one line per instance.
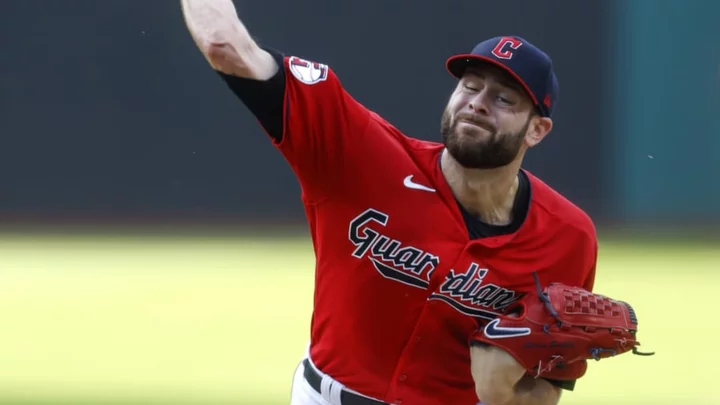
[488, 194]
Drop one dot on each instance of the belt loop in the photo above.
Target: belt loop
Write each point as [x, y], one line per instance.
[325, 387]
[336, 390]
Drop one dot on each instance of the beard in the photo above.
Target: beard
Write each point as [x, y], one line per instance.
[480, 152]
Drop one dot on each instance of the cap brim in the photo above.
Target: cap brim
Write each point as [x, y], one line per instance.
[457, 64]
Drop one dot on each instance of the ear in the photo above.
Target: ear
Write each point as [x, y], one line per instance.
[537, 130]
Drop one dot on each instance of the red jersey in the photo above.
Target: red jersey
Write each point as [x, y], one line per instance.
[401, 288]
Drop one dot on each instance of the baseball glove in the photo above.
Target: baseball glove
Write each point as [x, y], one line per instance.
[552, 332]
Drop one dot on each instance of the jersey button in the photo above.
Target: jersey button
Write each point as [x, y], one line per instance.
[398, 402]
[403, 377]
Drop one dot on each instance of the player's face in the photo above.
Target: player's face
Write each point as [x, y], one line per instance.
[485, 124]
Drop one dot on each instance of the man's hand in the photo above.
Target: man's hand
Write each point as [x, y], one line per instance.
[224, 40]
[501, 380]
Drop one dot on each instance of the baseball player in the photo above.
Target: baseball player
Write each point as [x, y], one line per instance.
[421, 247]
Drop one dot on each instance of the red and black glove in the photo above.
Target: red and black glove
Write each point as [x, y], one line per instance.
[552, 332]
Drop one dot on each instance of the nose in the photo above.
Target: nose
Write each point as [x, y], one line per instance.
[479, 103]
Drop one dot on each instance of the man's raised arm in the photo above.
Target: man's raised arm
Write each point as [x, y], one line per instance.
[223, 39]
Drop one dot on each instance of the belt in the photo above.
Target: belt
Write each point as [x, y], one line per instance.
[346, 397]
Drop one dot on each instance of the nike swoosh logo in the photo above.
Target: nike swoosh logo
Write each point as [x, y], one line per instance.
[409, 183]
[494, 331]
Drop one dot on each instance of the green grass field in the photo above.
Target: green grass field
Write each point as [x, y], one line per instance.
[220, 320]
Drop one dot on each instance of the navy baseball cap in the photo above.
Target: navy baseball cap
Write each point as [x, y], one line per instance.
[529, 65]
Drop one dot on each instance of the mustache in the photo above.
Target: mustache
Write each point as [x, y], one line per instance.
[476, 120]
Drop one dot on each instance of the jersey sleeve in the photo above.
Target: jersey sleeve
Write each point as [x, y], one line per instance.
[312, 120]
[322, 123]
[591, 265]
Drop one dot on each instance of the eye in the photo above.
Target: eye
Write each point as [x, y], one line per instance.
[504, 100]
[470, 87]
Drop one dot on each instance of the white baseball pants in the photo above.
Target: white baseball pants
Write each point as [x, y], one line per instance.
[302, 393]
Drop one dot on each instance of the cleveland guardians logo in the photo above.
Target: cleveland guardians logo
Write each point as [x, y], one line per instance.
[306, 71]
[505, 47]
[393, 260]
[469, 294]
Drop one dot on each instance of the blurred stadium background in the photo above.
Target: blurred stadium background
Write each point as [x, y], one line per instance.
[153, 247]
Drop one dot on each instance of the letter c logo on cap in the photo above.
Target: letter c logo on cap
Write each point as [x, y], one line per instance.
[501, 50]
